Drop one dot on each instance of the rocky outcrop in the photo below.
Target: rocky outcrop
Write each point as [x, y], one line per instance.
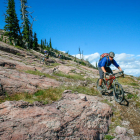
[14, 81]
[73, 117]
[10, 49]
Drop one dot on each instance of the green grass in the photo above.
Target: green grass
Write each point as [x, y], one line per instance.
[138, 104]
[109, 137]
[107, 102]
[128, 81]
[47, 95]
[83, 90]
[44, 96]
[40, 74]
[138, 78]
[91, 80]
[18, 47]
[132, 96]
[129, 96]
[18, 54]
[135, 98]
[14, 97]
[60, 74]
[75, 76]
[134, 84]
[53, 65]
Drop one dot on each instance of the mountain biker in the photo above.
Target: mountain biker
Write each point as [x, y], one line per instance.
[103, 66]
[46, 54]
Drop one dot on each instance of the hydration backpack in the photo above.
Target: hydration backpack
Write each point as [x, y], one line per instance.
[104, 55]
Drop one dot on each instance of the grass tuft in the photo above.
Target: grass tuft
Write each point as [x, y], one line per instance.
[84, 90]
[39, 74]
[109, 137]
[128, 81]
[75, 76]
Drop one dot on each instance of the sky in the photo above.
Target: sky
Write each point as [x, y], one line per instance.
[94, 26]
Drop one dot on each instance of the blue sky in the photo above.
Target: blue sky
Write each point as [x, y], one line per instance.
[96, 26]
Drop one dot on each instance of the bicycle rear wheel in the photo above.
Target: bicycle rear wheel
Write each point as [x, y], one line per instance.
[46, 62]
[103, 86]
[118, 92]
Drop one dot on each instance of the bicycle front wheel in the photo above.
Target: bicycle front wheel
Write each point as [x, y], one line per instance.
[118, 92]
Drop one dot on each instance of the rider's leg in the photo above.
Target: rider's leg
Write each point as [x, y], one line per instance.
[100, 82]
[101, 73]
[110, 76]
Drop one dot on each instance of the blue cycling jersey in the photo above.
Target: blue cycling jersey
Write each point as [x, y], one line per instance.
[106, 62]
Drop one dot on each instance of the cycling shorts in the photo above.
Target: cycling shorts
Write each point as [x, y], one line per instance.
[101, 73]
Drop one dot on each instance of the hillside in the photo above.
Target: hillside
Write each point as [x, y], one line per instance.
[60, 100]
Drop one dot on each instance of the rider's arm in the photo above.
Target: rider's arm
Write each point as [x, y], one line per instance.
[115, 64]
[119, 68]
[103, 69]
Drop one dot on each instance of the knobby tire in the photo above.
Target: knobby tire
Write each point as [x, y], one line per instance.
[118, 92]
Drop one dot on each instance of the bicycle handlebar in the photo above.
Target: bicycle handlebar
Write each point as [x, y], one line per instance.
[121, 73]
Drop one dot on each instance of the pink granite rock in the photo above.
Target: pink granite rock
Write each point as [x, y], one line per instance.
[14, 81]
[68, 118]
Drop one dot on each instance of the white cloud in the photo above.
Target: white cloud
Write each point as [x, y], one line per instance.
[130, 63]
[63, 51]
[134, 72]
[91, 58]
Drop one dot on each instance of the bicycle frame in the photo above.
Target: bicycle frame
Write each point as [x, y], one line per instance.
[111, 79]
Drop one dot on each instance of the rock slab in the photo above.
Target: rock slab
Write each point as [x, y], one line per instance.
[69, 118]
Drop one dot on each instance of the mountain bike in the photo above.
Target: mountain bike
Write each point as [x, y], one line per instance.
[111, 82]
[43, 60]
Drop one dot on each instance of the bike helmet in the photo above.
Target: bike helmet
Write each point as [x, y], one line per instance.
[112, 54]
[45, 51]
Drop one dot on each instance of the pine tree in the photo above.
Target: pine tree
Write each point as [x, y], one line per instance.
[47, 46]
[26, 31]
[96, 64]
[12, 26]
[27, 27]
[41, 46]
[35, 42]
[50, 44]
[45, 42]
[31, 38]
